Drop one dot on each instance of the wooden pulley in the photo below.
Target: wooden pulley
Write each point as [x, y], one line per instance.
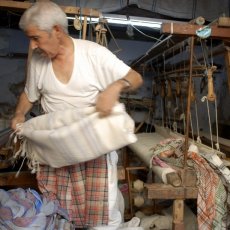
[200, 20]
[211, 94]
[77, 23]
[178, 87]
[101, 34]
[169, 89]
[98, 32]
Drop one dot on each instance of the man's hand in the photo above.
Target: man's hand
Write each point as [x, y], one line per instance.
[18, 118]
[108, 98]
[24, 105]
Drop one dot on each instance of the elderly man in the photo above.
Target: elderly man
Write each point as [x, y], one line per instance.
[67, 73]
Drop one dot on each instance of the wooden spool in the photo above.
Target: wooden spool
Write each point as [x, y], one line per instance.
[211, 94]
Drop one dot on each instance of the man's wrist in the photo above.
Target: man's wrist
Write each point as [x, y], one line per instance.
[19, 113]
[126, 84]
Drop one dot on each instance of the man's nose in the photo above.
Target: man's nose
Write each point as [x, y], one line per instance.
[33, 45]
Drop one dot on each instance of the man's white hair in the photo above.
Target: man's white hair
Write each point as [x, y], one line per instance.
[44, 15]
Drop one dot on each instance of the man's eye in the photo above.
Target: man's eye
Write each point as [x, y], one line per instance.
[35, 38]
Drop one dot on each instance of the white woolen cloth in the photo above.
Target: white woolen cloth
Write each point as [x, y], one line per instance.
[63, 138]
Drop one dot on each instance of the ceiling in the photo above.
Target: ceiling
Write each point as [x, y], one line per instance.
[9, 18]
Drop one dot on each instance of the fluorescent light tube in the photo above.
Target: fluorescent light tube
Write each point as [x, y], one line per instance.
[123, 20]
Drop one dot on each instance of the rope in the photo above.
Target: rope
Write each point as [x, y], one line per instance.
[162, 113]
[205, 63]
[197, 124]
[169, 117]
[174, 111]
[175, 123]
[191, 126]
[182, 116]
[217, 132]
[80, 32]
[209, 120]
[211, 53]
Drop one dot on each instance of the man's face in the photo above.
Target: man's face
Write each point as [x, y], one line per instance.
[47, 44]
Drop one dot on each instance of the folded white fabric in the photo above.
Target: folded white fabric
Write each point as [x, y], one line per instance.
[68, 137]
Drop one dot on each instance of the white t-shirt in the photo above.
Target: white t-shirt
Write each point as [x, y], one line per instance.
[95, 67]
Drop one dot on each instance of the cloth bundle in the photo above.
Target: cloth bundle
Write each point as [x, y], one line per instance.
[26, 210]
[63, 138]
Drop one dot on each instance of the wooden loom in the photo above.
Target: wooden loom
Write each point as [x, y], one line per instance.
[147, 140]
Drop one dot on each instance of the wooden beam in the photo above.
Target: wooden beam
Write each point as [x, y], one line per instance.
[186, 29]
[67, 9]
[224, 21]
[165, 191]
[25, 179]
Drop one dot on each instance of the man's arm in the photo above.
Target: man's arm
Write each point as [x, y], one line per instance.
[23, 107]
[108, 98]
[133, 81]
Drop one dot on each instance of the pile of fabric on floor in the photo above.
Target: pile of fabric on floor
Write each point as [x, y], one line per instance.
[28, 210]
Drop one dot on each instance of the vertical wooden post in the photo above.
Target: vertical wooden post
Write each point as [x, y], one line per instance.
[178, 214]
[84, 28]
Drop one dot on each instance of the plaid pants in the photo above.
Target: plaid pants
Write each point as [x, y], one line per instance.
[81, 189]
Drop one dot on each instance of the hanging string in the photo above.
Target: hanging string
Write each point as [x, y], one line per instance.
[80, 31]
[90, 29]
[144, 34]
[197, 124]
[182, 116]
[149, 120]
[191, 124]
[211, 53]
[209, 119]
[175, 110]
[164, 84]
[217, 132]
[151, 109]
[162, 113]
[169, 117]
[205, 63]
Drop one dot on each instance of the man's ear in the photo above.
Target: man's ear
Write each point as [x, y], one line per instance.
[58, 30]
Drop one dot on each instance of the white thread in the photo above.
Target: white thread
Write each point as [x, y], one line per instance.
[191, 126]
[182, 116]
[139, 201]
[174, 127]
[17, 174]
[197, 124]
[138, 185]
[162, 115]
[217, 132]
